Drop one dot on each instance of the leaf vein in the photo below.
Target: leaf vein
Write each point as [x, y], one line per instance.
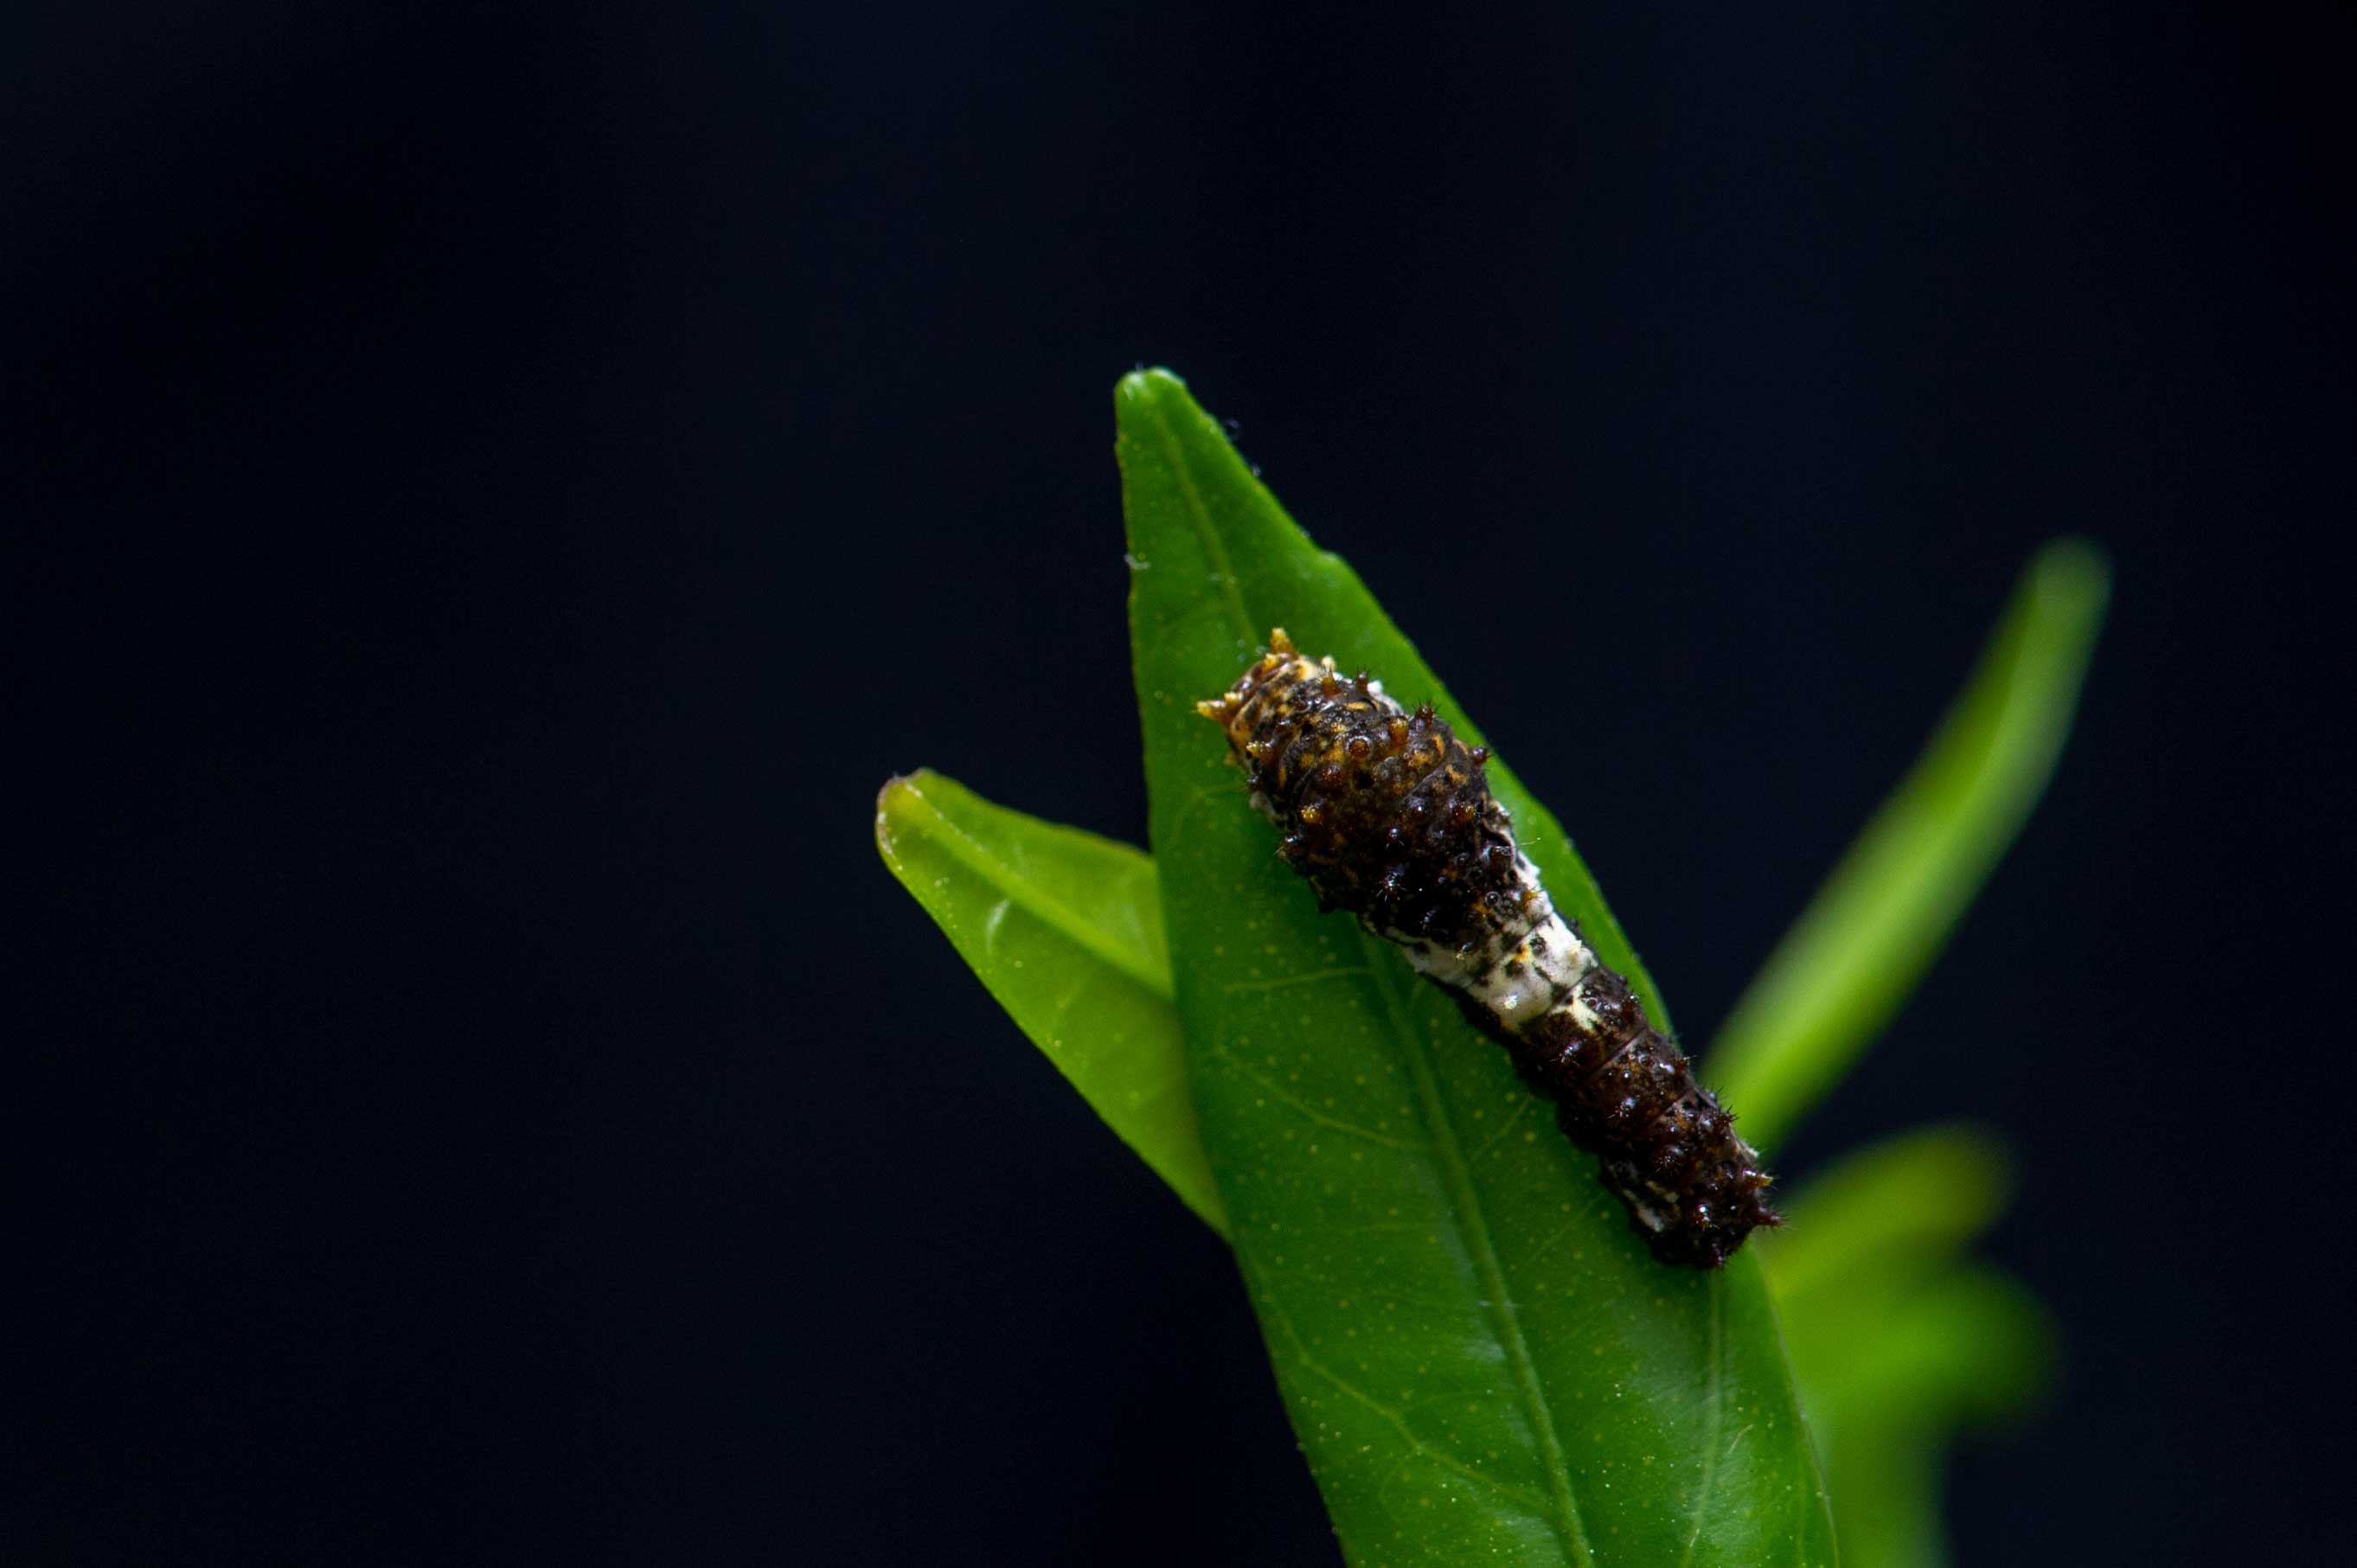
[1277, 1092]
[1288, 982]
[1484, 1254]
[1398, 1419]
[1711, 1403]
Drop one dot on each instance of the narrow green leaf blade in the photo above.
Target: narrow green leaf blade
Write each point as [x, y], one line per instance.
[1066, 931]
[1880, 920]
[1481, 1362]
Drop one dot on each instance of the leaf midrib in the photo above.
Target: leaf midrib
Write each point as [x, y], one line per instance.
[1472, 1221]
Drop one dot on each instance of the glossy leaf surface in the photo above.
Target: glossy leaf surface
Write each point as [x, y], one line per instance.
[1065, 930]
[1482, 1363]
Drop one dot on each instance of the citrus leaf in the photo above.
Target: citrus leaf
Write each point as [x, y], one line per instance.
[1065, 930]
[1901, 1206]
[1973, 1345]
[1481, 1362]
[1886, 909]
[1867, 1284]
[1896, 1524]
[1969, 1347]
[1893, 1342]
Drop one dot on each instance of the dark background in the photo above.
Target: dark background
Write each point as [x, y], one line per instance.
[490, 496]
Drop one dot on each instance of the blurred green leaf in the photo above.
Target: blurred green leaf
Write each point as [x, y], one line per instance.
[1480, 1360]
[1863, 941]
[1969, 1347]
[1896, 1522]
[1895, 1207]
[1893, 1342]
[1066, 931]
[1865, 1244]
[1973, 1345]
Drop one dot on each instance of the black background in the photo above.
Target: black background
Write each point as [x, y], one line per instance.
[491, 495]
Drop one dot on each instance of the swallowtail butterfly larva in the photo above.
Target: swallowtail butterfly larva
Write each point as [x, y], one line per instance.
[1390, 816]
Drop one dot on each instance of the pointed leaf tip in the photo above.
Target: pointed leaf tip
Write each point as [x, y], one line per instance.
[2072, 579]
[1065, 930]
[1456, 1312]
[1146, 384]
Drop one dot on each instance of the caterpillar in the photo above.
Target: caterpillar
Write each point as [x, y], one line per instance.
[1389, 816]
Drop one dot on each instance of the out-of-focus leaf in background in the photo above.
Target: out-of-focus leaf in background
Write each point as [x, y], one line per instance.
[1883, 915]
[1896, 1340]
[1481, 1362]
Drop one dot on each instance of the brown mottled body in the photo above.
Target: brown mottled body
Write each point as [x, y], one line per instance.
[1390, 816]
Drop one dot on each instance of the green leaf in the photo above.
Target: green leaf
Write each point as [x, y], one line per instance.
[1867, 1245]
[1896, 1207]
[1480, 1360]
[1065, 930]
[1880, 920]
[1895, 1523]
[1969, 1347]
[1895, 1344]
[1973, 1345]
